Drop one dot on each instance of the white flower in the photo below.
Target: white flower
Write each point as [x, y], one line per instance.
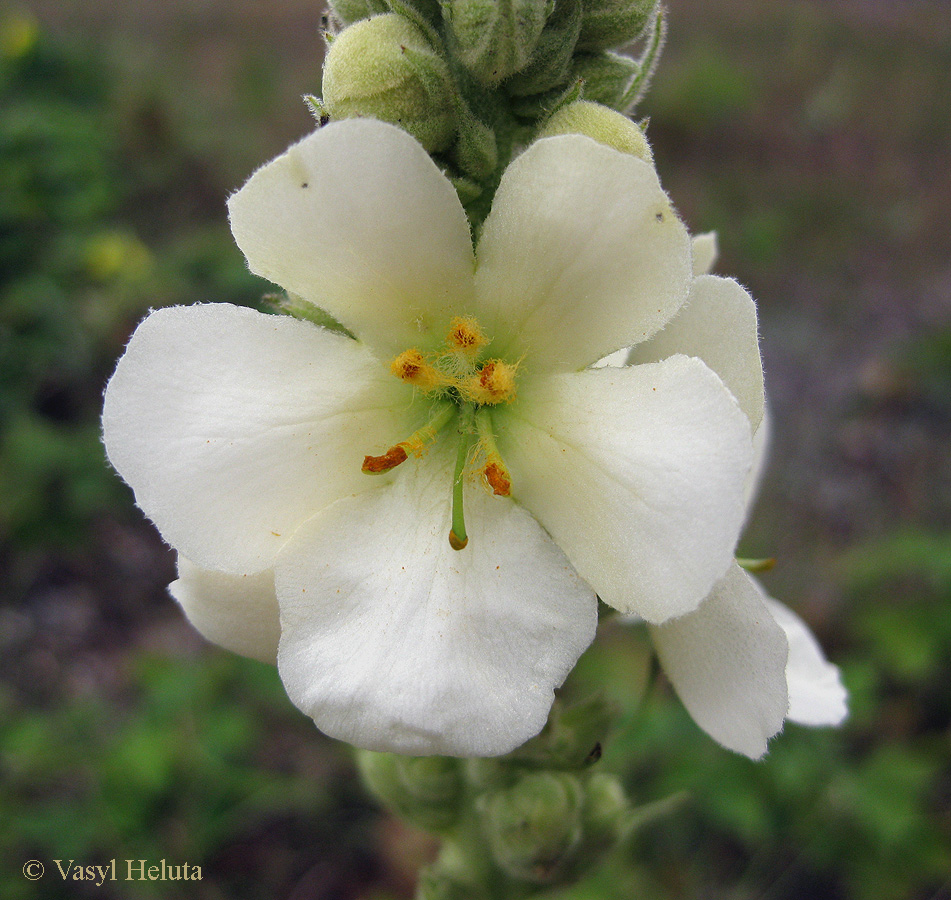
[742, 663]
[244, 435]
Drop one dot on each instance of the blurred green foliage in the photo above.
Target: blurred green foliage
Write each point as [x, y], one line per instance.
[76, 198]
[191, 765]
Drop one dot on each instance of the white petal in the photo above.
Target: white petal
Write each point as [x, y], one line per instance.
[233, 427]
[638, 475]
[238, 612]
[705, 252]
[581, 255]
[359, 220]
[717, 324]
[762, 437]
[393, 641]
[816, 693]
[727, 662]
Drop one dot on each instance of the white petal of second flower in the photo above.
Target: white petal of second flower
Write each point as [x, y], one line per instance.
[357, 219]
[237, 612]
[705, 252]
[717, 324]
[581, 255]
[638, 475]
[234, 427]
[816, 693]
[727, 662]
[391, 640]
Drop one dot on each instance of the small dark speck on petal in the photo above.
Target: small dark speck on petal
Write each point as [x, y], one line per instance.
[305, 184]
[659, 216]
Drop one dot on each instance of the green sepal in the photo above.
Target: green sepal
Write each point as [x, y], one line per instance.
[349, 11]
[613, 23]
[542, 106]
[573, 736]
[293, 305]
[317, 109]
[646, 62]
[476, 151]
[756, 566]
[606, 76]
[467, 190]
[551, 61]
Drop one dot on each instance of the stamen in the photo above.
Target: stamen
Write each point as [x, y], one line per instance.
[415, 443]
[493, 383]
[466, 335]
[410, 366]
[457, 533]
[495, 472]
[374, 465]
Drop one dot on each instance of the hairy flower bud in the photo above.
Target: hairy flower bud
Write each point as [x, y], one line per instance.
[534, 826]
[604, 125]
[613, 23]
[424, 790]
[551, 59]
[603, 813]
[495, 40]
[385, 68]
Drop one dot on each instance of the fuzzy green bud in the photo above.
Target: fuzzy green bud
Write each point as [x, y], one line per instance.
[613, 23]
[385, 68]
[437, 886]
[605, 125]
[606, 76]
[534, 827]
[604, 812]
[496, 39]
[551, 60]
[425, 790]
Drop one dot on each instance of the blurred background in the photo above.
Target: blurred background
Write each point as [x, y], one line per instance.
[815, 137]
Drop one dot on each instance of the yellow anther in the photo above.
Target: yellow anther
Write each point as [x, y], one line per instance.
[411, 367]
[466, 335]
[493, 383]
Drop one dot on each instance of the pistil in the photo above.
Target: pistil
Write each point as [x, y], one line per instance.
[457, 534]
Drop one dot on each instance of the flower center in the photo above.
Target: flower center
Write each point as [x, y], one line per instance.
[465, 388]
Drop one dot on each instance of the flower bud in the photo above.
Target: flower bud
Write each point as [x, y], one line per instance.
[603, 813]
[425, 790]
[534, 826]
[551, 59]
[606, 76]
[604, 125]
[613, 23]
[439, 886]
[385, 68]
[495, 40]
